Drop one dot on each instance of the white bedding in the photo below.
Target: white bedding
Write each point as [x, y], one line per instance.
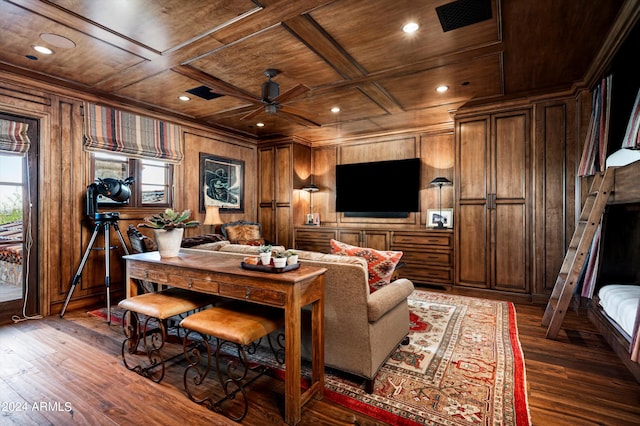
[620, 302]
[622, 157]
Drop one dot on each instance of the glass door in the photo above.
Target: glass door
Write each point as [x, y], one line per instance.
[18, 220]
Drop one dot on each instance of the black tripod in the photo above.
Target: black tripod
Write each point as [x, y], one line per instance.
[105, 221]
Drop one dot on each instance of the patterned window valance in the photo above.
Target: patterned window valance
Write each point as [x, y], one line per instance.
[110, 130]
[13, 137]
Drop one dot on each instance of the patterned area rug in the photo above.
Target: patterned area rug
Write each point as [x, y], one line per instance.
[463, 366]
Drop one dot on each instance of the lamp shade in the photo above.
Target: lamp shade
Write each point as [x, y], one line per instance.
[213, 216]
[310, 188]
[440, 181]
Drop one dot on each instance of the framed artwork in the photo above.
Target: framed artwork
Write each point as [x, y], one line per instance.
[435, 217]
[221, 183]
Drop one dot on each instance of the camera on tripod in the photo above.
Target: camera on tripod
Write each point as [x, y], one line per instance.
[114, 189]
[118, 191]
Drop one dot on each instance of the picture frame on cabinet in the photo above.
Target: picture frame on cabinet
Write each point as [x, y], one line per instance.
[221, 183]
[313, 219]
[436, 215]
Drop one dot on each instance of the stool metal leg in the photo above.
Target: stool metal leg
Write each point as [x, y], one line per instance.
[152, 339]
[232, 376]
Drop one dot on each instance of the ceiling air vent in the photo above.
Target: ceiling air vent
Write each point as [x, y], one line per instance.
[462, 13]
[203, 92]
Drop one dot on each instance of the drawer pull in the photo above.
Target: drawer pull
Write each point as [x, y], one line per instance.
[190, 283]
[247, 294]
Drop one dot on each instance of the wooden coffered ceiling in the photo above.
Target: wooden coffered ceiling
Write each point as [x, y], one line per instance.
[351, 54]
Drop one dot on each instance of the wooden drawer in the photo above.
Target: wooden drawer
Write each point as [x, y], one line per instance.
[251, 294]
[312, 245]
[435, 239]
[444, 275]
[160, 277]
[309, 234]
[194, 283]
[429, 258]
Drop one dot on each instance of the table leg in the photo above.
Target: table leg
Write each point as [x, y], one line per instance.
[317, 361]
[292, 398]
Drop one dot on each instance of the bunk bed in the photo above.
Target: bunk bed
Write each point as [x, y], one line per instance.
[615, 306]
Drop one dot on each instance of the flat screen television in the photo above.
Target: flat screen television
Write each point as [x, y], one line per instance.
[378, 189]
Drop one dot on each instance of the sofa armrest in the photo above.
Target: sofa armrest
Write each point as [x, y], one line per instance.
[388, 297]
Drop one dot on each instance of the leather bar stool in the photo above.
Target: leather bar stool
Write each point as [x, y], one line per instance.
[158, 308]
[237, 325]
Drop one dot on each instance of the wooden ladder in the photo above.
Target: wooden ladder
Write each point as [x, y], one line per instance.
[576, 255]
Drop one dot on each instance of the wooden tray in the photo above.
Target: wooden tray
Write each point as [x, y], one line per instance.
[269, 268]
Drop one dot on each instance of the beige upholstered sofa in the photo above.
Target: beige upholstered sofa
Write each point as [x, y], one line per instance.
[362, 329]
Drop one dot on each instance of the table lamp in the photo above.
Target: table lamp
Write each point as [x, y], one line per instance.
[440, 181]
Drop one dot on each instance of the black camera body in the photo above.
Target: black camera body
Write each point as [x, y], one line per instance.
[114, 189]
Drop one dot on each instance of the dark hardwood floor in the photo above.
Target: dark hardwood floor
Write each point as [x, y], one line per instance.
[576, 380]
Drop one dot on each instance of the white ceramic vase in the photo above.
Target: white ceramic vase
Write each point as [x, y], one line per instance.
[265, 258]
[168, 241]
[293, 259]
[279, 262]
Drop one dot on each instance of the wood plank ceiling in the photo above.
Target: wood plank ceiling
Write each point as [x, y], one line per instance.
[351, 54]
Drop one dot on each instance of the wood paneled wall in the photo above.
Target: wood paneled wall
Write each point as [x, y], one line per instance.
[434, 149]
[64, 230]
[187, 188]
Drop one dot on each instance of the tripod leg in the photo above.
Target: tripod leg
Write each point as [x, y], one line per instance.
[107, 276]
[78, 274]
[119, 234]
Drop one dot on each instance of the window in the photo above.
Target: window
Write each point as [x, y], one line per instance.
[153, 178]
[11, 188]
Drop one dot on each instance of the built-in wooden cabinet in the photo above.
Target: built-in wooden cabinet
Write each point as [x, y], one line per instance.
[283, 170]
[314, 238]
[493, 201]
[371, 238]
[427, 254]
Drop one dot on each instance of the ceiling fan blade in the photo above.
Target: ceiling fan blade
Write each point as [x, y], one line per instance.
[215, 84]
[253, 113]
[294, 115]
[294, 92]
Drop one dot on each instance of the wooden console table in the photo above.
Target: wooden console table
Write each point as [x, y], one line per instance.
[221, 274]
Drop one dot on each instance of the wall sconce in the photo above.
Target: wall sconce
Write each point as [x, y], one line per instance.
[310, 188]
[440, 181]
[212, 217]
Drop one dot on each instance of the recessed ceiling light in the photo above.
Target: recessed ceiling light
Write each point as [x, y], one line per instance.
[57, 40]
[442, 89]
[410, 27]
[260, 124]
[335, 109]
[42, 49]
[184, 98]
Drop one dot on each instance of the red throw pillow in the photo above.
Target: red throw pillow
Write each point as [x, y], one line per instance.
[381, 263]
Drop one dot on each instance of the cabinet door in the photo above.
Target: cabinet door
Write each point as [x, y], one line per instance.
[283, 167]
[472, 171]
[349, 237]
[267, 175]
[509, 238]
[284, 228]
[378, 240]
[266, 206]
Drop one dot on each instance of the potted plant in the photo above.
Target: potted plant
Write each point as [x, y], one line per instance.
[168, 229]
[292, 257]
[265, 254]
[280, 259]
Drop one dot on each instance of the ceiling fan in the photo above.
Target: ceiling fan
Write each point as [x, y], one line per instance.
[272, 100]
